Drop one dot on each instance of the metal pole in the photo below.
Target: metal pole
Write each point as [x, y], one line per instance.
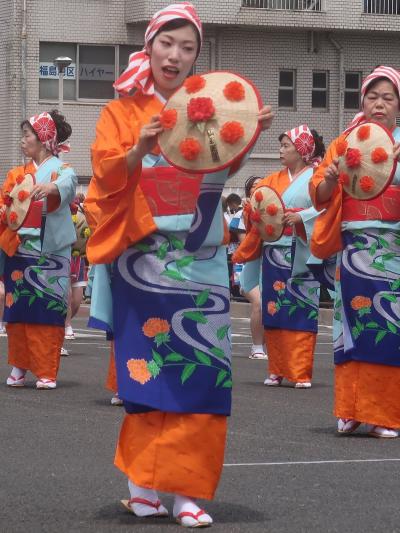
[61, 90]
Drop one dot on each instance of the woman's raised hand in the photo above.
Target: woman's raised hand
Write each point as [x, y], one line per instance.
[265, 117]
[148, 137]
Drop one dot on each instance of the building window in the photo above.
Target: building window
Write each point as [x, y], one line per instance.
[287, 88]
[382, 7]
[286, 5]
[352, 90]
[91, 74]
[319, 99]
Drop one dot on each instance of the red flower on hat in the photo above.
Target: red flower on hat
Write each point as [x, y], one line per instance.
[353, 158]
[367, 183]
[364, 132]
[13, 217]
[190, 148]
[234, 91]
[255, 216]
[341, 147]
[200, 109]
[195, 83]
[269, 229]
[271, 210]
[379, 155]
[344, 179]
[45, 128]
[168, 118]
[23, 195]
[8, 200]
[19, 179]
[305, 144]
[231, 132]
[259, 197]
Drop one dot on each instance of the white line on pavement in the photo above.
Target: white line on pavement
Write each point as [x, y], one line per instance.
[337, 461]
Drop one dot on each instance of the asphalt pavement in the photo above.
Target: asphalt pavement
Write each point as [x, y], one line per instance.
[286, 470]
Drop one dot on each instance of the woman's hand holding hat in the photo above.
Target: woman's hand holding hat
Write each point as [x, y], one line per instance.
[265, 117]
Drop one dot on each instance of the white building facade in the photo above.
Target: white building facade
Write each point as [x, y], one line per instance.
[307, 57]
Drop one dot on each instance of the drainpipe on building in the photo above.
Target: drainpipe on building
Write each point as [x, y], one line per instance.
[23, 61]
[340, 50]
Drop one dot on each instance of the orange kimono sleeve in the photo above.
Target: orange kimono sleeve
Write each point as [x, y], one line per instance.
[117, 210]
[326, 239]
[9, 239]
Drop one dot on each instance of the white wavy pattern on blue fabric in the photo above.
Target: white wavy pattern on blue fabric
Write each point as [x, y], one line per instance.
[358, 263]
[143, 271]
[279, 257]
[55, 265]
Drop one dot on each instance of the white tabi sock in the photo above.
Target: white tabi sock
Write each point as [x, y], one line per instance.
[257, 348]
[18, 373]
[141, 509]
[182, 504]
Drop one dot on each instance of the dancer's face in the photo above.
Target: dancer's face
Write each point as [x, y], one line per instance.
[288, 154]
[381, 104]
[30, 144]
[172, 54]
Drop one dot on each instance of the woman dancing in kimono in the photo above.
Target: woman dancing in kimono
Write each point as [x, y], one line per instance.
[36, 260]
[367, 304]
[170, 323]
[290, 293]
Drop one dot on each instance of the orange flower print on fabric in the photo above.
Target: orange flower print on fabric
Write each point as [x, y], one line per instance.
[271, 308]
[138, 370]
[279, 286]
[367, 183]
[379, 155]
[341, 147]
[364, 132]
[9, 299]
[168, 118]
[234, 91]
[360, 302]
[155, 326]
[195, 83]
[16, 275]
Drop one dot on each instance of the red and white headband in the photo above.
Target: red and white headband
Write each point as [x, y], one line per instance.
[304, 142]
[45, 128]
[138, 73]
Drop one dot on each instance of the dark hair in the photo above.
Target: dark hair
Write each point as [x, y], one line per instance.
[233, 198]
[175, 24]
[372, 84]
[64, 130]
[249, 184]
[319, 143]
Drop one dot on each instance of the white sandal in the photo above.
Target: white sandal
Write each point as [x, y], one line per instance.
[273, 381]
[347, 425]
[155, 509]
[45, 383]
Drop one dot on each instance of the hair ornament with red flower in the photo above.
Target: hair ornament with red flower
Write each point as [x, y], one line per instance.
[46, 131]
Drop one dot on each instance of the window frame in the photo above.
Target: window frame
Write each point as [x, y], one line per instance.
[286, 87]
[320, 90]
[350, 90]
[95, 101]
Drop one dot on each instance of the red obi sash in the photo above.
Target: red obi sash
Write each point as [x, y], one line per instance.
[33, 218]
[169, 191]
[384, 207]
